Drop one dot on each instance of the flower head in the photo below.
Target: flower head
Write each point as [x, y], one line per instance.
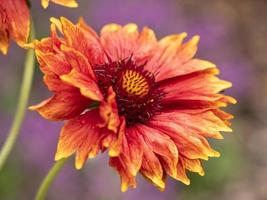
[15, 20]
[148, 102]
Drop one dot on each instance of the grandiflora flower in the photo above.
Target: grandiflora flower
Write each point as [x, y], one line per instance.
[147, 102]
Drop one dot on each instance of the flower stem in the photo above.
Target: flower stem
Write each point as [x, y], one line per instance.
[42, 191]
[23, 100]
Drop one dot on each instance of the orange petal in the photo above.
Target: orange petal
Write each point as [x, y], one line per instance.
[188, 142]
[126, 178]
[194, 165]
[165, 55]
[14, 22]
[87, 86]
[132, 151]
[63, 105]
[177, 69]
[68, 3]
[181, 172]
[84, 41]
[151, 167]
[162, 146]
[78, 62]
[145, 46]
[197, 86]
[119, 42]
[53, 63]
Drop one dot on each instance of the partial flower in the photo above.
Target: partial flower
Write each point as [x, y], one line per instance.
[148, 102]
[15, 20]
[14, 23]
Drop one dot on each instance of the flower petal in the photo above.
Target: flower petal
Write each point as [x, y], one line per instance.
[78, 62]
[126, 178]
[63, 105]
[84, 41]
[55, 84]
[151, 167]
[82, 135]
[119, 42]
[186, 132]
[174, 58]
[164, 148]
[202, 85]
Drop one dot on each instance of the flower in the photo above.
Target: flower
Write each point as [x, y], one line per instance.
[15, 21]
[148, 102]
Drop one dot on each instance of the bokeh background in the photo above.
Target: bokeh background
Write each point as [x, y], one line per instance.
[233, 35]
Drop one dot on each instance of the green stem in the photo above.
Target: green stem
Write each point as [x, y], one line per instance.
[42, 191]
[21, 107]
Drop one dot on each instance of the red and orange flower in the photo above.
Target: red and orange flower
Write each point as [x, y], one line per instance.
[15, 20]
[147, 101]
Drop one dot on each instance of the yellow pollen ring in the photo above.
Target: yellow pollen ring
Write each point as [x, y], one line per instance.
[135, 83]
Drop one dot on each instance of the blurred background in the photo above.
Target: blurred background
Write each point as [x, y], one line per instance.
[233, 35]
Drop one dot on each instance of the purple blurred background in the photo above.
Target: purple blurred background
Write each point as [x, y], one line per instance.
[233, 35]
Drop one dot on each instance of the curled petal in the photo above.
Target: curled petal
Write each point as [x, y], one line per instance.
[109, 111]
[114, 141]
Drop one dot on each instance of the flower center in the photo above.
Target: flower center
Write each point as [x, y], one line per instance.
[134, 83]
[137, 95]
